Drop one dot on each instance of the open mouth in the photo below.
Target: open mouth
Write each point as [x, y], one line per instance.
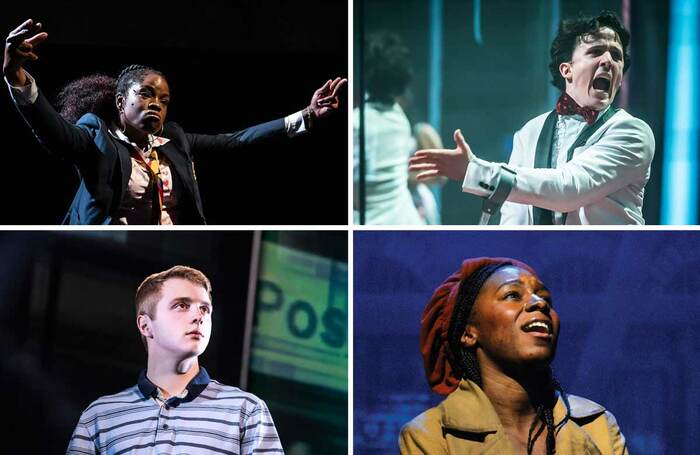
[601, 83]
[543, 327]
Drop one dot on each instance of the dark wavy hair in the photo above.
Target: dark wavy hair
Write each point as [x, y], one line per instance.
[387, 68]
[569, 36]
[465, 363]
[96, 93]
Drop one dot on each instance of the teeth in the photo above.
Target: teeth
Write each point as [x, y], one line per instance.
[534, 324]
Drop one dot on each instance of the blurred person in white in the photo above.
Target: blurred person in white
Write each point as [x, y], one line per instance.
[389, 142]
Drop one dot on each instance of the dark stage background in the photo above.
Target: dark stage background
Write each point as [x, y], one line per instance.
[229, 65]
[494, 74]
[68, 332]
[629, 330]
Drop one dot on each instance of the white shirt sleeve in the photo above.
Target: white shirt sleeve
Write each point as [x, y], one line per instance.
[294, 124]
[24, 95]
[621, 157]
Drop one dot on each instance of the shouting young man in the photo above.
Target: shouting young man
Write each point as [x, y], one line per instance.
[175, 407]
[585, 162]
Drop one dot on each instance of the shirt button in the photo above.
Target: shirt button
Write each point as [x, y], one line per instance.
[492, 187]
[165, 426]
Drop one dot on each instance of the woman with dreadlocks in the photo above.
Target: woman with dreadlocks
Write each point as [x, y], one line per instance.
[134, 167]
[488, 337]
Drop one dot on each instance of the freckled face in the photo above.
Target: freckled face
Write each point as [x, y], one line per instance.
[513, 321]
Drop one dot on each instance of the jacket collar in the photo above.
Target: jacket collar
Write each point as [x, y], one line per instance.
[469, 410]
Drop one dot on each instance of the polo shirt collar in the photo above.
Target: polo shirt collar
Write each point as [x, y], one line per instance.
[194, 388]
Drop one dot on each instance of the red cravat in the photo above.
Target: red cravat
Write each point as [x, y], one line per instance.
[567, 106]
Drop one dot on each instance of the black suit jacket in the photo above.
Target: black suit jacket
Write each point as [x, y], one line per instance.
[104, 162]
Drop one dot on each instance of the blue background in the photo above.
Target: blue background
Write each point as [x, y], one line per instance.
[629, 336]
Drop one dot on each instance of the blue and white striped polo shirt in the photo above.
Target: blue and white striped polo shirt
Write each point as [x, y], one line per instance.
[212, 418]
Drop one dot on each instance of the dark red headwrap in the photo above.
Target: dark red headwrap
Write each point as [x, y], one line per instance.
[435, 324]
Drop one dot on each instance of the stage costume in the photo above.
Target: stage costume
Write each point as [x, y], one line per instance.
[388, 146]
[602, 182]
[104, 158]
[466, 423]
[208, 417]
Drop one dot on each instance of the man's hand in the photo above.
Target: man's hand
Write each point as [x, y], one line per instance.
[19, 47]
[440, 162]
[325, 100]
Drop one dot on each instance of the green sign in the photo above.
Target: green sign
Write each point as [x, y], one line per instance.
[301, 318]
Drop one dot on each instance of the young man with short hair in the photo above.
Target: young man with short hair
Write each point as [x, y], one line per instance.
[582, 163]
[175, 407]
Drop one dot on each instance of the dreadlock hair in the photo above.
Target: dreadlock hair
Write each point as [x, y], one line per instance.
[133, 74]
[573, 31]
[94, 93]
[465, 364]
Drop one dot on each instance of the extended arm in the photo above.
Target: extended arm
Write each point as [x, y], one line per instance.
[324, 102]
[622, 156]
[49, 127]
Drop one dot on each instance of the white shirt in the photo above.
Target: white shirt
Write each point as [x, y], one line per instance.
[602, 184]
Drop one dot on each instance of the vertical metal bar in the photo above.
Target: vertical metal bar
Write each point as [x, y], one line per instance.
[250, 307]
[623, 102]
[359, 16]
[435, 65]
[553, 27]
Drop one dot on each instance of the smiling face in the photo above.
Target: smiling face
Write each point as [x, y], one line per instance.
[512, 322]
[181, 322]
[594, 74]
[144, 106]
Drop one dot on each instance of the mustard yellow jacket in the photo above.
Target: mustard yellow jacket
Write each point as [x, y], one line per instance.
[466, 423]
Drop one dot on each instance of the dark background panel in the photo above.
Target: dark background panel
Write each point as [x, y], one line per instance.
[68, 333]
[229, 65]
[629, 325]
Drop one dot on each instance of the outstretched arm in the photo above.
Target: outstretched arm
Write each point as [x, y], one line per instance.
[20, 46]
[621, 157]
[323, 103]
[55, 133]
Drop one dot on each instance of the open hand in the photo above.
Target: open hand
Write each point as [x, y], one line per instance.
[20, 46]
[452, 163]
[325, 100]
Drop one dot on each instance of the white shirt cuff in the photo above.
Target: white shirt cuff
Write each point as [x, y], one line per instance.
[24, 95]
[294, 124]
[481, 177]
